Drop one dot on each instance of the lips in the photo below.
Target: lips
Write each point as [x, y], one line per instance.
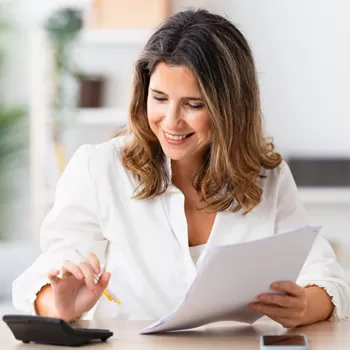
[177, 139]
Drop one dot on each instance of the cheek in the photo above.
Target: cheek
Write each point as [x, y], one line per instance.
[200, 122]
[154, 113]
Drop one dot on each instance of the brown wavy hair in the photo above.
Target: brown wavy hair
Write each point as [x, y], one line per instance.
[219, 56]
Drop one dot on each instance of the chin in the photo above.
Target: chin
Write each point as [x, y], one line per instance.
[177, 152]
[174, 155]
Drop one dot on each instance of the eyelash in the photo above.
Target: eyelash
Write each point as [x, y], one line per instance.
[161, 99]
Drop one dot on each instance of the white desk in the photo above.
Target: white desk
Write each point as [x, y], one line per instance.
[228, 335]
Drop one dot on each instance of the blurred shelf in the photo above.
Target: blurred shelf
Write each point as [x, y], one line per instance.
[102, 116]
[336, 195]
[116, 36]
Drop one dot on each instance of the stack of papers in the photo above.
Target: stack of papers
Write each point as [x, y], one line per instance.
[232, 276]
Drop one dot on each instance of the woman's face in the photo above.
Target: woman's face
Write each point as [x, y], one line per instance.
[176, 112]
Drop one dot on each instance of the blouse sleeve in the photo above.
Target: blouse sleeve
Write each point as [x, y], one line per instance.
[321, 267]
[72, 223]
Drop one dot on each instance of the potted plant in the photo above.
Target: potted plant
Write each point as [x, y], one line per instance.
[12, 142]
[62, 29]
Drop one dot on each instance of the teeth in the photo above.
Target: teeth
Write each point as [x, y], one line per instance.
[176, 138]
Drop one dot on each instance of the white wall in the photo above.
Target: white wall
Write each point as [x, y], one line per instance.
[302, 50]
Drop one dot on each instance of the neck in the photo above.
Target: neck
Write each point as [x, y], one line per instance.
[184, 170]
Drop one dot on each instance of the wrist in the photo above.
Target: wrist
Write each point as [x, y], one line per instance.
[44, 305]
[67, 317]
[319, 306]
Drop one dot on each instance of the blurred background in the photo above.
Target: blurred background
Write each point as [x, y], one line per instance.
[65, 79]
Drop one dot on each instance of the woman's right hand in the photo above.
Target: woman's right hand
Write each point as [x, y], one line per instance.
[76, 291]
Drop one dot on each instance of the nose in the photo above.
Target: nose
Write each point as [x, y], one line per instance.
[171, 118]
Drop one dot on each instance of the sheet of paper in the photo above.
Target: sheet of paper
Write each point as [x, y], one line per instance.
[234, 275]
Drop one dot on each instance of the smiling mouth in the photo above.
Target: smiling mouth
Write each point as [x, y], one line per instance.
[178, 137]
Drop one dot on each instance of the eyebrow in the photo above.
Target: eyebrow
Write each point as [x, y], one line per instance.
[188, 98]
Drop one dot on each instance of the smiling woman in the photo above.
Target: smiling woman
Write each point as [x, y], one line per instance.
[176, 113]
[192, 171]
[196, 101]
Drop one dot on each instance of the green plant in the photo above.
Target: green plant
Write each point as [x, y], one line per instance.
[12, 141]
[62, 29]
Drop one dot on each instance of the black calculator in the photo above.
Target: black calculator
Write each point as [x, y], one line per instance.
[52, 331]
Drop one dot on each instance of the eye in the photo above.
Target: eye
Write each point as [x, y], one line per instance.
[160, 99]
[197, 106]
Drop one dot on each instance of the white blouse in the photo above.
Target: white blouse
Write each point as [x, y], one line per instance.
[196, 253]
[144, 243]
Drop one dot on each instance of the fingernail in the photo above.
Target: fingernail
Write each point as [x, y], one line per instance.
[261, 297]
[275, 285]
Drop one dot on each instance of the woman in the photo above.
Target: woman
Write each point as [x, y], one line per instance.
[193, 170]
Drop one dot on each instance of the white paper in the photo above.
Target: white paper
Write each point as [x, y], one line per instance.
[234, 275]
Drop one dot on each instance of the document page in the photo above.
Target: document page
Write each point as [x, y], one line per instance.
[232, 276]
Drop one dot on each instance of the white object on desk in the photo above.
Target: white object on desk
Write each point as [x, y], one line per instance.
[232, 276]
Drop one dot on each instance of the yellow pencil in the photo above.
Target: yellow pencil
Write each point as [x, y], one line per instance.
[107, 293]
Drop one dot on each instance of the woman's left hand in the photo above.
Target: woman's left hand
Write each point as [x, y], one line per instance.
[287, 309]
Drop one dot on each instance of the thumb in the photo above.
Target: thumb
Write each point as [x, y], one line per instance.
[53, 277]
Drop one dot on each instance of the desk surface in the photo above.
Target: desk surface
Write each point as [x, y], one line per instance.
[228, 335]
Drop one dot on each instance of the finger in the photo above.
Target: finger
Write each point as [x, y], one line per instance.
[88, 274]
[281, 300]
[94, 262]
[273, 310]
[285, 322]
[69, 267]
[102, 283]
[52, 276]
[288, 287]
